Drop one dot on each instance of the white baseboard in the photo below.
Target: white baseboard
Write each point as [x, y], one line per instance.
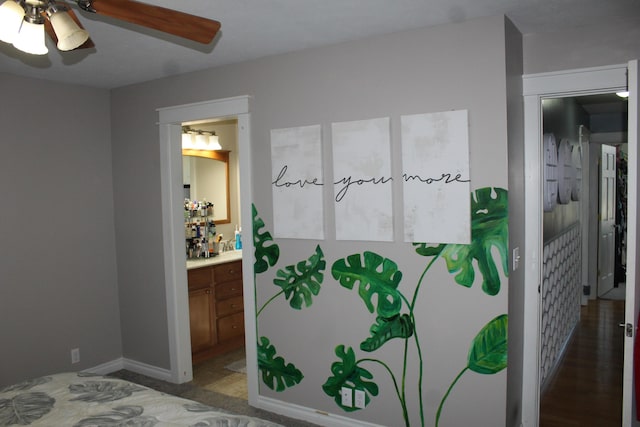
[133, 366]
[308, 414]
[107, 368]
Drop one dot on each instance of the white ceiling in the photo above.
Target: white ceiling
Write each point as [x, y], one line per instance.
[126, 54]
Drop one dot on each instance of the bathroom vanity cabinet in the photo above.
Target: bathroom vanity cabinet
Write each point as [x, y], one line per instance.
[216, 309]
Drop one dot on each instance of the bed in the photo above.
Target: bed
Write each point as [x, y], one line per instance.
[89, 400]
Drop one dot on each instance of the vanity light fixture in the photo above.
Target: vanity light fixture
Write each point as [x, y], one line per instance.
[22, 23]
[623, 94]
[214, 142]
[196, 139]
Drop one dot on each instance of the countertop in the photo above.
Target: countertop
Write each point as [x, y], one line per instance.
[218, 259]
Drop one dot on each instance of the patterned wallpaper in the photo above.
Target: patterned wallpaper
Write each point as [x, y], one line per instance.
[560, 296]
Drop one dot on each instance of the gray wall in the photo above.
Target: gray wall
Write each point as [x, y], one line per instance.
[582, 46]
[460, 66]
[562, 117]
[57, 245]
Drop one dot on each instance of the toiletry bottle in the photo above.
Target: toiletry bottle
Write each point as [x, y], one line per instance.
[238, 238]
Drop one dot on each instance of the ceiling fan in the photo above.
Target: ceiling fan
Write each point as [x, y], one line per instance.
[24, 22]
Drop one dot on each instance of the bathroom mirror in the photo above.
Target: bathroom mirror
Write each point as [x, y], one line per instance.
[206, 175]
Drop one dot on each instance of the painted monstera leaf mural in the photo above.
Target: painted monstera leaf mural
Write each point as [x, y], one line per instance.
[378, 279]
[347, 373]
[398, 326]
[377, 276]
[302, 281]
[276, 373]
[489, 229]
[487, 353]
[298, 283]
[266, 253]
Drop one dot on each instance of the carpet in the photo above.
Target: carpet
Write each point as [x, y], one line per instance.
[239, 366]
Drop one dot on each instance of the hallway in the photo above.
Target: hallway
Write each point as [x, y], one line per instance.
[587, 387]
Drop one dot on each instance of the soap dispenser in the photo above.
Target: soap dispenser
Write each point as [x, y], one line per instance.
[238, 238]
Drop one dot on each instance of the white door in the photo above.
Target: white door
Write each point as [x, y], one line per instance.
[607, 216]
[632, 304]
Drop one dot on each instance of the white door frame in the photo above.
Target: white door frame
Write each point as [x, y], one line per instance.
[170, 121]
[536, 87]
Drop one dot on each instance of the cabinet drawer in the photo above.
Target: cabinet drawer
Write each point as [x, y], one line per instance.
[227, 290]
[230, 326]
[229, 306]
[199, 278]
[228, 271]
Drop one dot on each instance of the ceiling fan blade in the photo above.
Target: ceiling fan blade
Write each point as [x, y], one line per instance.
[169, 21]
[49, 29]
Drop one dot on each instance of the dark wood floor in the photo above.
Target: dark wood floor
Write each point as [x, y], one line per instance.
[586, 389]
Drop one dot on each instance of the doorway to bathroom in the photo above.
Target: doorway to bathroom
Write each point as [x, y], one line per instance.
[213, 248]
[171, 120]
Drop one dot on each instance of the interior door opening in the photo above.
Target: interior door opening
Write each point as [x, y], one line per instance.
[213, 250]
[593, 128]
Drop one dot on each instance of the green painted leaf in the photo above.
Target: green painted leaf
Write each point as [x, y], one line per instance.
[487, 355]
[489, 229]
[299, 286]
[488, 352]
[276, 373]
[399, 326]
[348, 374]
[267, 255]
[376, 276]
[25, 408]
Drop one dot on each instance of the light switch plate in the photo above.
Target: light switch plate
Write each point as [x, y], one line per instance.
[347, 397]
[359, 400]
[516, 258]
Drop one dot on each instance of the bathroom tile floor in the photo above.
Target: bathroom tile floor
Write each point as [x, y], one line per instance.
[212, 375]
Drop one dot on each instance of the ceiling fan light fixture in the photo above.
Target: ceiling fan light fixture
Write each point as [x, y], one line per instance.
[11, 15]
[70, 35]
[31, 39]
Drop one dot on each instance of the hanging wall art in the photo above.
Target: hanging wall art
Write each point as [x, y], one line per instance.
[436, 184]
[296, 164]
[362, 180]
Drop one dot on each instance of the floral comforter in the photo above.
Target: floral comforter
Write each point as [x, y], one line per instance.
[88, 400]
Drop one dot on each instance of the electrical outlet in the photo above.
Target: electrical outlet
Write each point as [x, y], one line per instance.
[75, 355]
[516, 258]
[347, 397]
[359, 399]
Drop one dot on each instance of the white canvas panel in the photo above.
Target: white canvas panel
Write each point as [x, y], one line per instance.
[296, 164]
[362, 180]
[436, 183]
